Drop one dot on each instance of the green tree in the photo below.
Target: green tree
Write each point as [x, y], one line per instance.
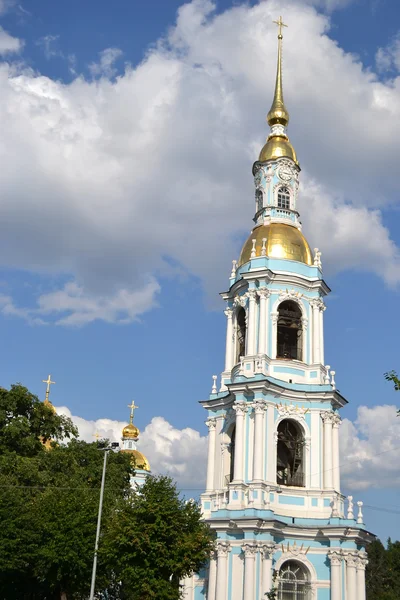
[383, 571]
[154, 540]
[26, 422]
[393, 377]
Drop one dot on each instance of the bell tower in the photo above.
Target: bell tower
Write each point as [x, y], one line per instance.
[273, 475]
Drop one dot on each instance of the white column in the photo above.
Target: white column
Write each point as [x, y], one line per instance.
[266, 570]
[335, 453]
[223, 548]
[229, 340]
[241, 409]
[211, 424]
[250, 551]
[212, 576]
[251, 334]
[270, 453]
[361, 563]
[351, 581]
[259, 410]
[262, 334]
[321, 332]
[336, 565]
[327, 418]
[274, 325]
[316, 335]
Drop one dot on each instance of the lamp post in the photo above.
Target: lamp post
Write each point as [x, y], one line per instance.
[114, 446]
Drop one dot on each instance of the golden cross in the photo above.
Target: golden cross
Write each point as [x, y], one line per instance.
[132, 406]
[49, 383]
[280, 24]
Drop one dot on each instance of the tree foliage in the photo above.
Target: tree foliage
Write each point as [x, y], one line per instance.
[154, 540]
[383, 571]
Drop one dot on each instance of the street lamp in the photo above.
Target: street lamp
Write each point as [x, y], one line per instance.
[113, 446]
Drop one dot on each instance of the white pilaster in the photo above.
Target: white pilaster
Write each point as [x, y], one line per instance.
[361, 563]
[327, 418]
[258, 455]
[211, 424]
[321, 332]
[335, 453]
[212, 577]
[336, 566]
[241, 410]
[223, 548]
[316, 356]
[267, 552]
[262, 335]
[315, 479]
[274, 325]
[250, 551]
[229, 360]
[271, 442]
[351, 580]
[251, 335]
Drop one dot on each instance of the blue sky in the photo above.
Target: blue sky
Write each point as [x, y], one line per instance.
[74, 215]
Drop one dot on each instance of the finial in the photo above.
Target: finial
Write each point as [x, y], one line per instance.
[278, 115]
[253, 248]
[234, 268]
[214, 385]
[49, 383]
[360, 516]
[132, 406]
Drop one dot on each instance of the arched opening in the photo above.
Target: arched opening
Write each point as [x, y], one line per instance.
[232, 453]
[259, 200]
[283, 198]
[290, 331]
[240, 334]
[290, 454]
[293, 581]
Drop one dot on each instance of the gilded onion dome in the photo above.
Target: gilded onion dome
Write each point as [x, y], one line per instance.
[130, 434]
[278, 144]
[282, 241]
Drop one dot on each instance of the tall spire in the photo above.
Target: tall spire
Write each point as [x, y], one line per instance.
[278, 115]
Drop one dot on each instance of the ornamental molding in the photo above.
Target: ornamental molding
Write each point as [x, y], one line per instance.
[268, 549]
[250, 550]
[291, 410]
[240, 408]
[240, 301]
[351, 559]
[264, 293]
[260, 406]
[228, 313]
[317, 303]
[211, 424]
[274, 317]
[289, 295]
[294, 549]
[328, 417]
[304, 322]
[336, 420]
[252, 295]
[223, 548]
[335, 556]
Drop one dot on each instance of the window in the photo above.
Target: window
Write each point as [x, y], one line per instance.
[290, 331]
[240, 334]
[130, 445]
[259, 200]
[232, 449]
[290, 454]
[284, 198]
[293, 582]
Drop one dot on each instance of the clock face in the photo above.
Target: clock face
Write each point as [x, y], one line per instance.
[285, 173]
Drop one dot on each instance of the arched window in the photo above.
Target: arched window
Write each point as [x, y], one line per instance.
[290, 454]
[240, 334]
[293, 581]
[290, 331]
[130, 445]
[283, 198]
[232, 449]
[259, 200]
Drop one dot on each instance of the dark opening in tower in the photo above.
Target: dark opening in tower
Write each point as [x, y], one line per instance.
[290, 331]
[240, 334]
[232, 452]
[290, 454]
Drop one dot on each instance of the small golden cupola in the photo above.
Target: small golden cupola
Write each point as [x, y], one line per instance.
[130, 435]
[278, 144]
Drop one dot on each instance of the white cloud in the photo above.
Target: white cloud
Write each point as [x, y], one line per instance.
[128, 172]
[180, 453]
[49, 44]
[8, 43]
[370, 448]
[388, 57]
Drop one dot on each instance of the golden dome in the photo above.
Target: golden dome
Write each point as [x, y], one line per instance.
[130, 432]
[283, 241]
[138, 460]
[277, 147]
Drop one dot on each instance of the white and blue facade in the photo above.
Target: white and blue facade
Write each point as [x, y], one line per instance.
[273, 492]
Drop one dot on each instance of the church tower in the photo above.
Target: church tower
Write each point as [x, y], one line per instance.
[130, 436]
[273, 476]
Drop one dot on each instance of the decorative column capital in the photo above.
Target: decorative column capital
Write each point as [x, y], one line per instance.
[328, 417]
[336, 420]
[361, 560]
[223, 548]
[268, 550]
[259, 406]
[240, 300]
[240, 408]
[317, 303]
[351, 559]
[252, 295]
[263, 293]
[229, 312]
[335, 556]
[274, 317]
[211, 423]
[250, 550]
